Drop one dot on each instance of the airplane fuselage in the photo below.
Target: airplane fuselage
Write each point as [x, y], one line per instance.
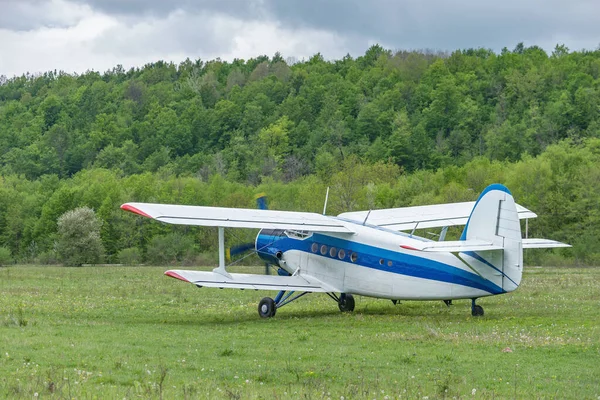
[372, 262]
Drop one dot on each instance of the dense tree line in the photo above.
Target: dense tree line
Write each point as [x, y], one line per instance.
[386, 129]
[247, 120]
[562, 185]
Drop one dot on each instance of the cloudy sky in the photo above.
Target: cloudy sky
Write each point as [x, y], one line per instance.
[77, 35]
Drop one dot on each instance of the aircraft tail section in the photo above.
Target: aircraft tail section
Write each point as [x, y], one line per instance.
[495, 220]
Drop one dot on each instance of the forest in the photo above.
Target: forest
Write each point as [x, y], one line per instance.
[386, 129]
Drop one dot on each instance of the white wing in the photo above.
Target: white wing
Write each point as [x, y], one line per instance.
[542, 244]
[432, 216]
[238, 217]
[298, 283]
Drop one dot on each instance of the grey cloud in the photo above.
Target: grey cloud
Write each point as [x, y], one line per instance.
[446, 25]
[437, 24]
[162, 8]
[178, 33]
[22, 15]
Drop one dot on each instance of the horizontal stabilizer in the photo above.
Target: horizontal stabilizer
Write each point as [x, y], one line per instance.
[252, 281]
[237, 217]
[457, 246]
[542, 244]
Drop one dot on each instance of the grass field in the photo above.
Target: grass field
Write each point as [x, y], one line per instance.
[130, 332]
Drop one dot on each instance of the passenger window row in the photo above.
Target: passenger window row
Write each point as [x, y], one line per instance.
[332, 252]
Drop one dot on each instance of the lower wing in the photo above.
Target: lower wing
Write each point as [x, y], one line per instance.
[299, 283]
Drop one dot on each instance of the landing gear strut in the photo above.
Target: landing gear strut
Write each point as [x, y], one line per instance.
[268, 307]
[476, 311]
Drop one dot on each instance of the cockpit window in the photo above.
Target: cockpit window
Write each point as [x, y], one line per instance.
[294, 234]
[272, 232]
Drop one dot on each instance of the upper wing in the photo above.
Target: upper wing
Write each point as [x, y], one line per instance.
[237, 217]
[251, 281]
[542, 244]
[432, 216]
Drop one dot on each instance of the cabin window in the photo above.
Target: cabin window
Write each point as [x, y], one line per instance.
[381, 261]
[324, 249]
[353, 257]
[341, 254]
[314, 247]
[389, 263]
[332, 251]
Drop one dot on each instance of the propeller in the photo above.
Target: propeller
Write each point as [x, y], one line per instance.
[261, 204]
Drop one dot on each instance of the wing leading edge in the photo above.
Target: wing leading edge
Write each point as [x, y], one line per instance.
[237, 217]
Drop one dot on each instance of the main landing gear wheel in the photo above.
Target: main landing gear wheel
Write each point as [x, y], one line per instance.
[346, 302]
[267, 308]
[477, 311]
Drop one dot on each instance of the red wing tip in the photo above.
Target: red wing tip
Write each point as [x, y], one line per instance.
[404, 246]
[130, 208]
[175, 275]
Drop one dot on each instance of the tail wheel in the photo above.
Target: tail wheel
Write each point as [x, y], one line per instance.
[346, 303]
[267, 308]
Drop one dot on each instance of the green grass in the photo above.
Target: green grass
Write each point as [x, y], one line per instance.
[130, 332]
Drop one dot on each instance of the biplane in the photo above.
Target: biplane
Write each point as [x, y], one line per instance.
[370, 253]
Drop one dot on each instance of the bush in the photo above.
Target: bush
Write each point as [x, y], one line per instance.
[79, 237]
[48, 258]
[173, 248]
[208, 259]
[5, 256]
[130, 256]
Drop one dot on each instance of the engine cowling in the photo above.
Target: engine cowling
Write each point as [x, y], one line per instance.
[266, 245]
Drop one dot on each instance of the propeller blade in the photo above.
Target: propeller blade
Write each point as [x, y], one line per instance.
[261, 201]
[239, 249]
[261, 204]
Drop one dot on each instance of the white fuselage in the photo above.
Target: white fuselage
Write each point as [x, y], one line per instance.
[371, 262]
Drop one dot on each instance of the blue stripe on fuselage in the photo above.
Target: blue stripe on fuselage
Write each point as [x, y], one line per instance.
[402, 263]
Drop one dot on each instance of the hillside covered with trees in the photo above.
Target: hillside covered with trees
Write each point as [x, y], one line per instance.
[386, 129]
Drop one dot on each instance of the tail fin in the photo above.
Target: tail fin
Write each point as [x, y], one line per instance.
[495, 219]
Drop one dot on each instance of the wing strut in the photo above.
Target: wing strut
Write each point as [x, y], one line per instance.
[221, 269]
